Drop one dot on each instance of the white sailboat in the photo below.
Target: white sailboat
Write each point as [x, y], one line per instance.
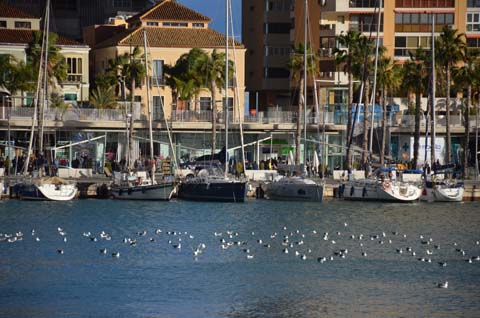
[40, 188]
[439, 187]
[382, 187]
[138, 185]
[297, 187]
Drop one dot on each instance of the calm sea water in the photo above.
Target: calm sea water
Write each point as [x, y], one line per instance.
[152, 278]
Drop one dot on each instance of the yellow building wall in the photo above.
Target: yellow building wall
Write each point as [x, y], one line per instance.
[170, 56]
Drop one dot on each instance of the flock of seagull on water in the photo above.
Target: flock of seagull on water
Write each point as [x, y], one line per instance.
[292, 242]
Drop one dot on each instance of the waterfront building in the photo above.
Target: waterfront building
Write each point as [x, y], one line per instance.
[271, 29]
[17, 33]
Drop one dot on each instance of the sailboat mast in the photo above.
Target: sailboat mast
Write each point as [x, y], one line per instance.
[432, 143]
[149, 106]
[305, 13]
[226, 87]
[372, 99]
[37, 94]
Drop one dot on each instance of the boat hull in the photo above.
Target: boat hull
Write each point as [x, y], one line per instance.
[161, 191]
[296, 192]
[227, 191]
[377, 191]
[46, 192]
[443, 194]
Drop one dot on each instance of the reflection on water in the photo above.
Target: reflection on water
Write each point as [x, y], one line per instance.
[385, 259]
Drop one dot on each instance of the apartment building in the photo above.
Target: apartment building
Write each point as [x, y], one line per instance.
[171, 30]
[16, 33]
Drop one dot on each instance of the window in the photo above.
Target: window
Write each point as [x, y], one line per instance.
[23, 25]
[278, 5]
[3, 24]
[425, 3]
[198, 25]
[473, 22]
[151, 23]
[230, 103]
[421, 22]
[157, 107]
[363, 3]
[175, 24]
[70, 97]
[74, 69]
[277, 51]
[473, 4]
[64, 5]
[205, 103]
[122, 3]
[364, 23]
[406, 44]
[327, 44]
[157, 76]
[279, 28]
[276, 72]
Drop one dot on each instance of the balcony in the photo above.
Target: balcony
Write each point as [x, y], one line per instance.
[73, 78]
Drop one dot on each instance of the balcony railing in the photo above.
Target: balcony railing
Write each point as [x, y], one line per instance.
[186, 116]
[73, 78]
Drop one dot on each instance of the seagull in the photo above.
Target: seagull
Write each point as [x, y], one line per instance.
[103, 250]
[442, 285]
[443, 264]
[37, 239]
[249, 256]
[116, 254]
[364, 254]
[60, 251]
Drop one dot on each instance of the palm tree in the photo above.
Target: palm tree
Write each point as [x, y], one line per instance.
[56, 65]
[297, 66]
[389, 80]
[414, 76]
[346, 54]
[103, 98]
[15, 76]
[450, 47]
[212, 68]
[183, 78]
[362, 70]
[463, 78]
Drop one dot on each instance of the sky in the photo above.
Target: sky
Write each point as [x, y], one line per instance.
[215, 10]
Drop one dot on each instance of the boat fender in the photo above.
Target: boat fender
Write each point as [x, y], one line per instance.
[352, 190]
[386, 185]
[364, 192]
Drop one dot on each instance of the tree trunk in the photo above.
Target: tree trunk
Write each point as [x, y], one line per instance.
[467, 132]
[448, 157]
[348, 161]
[214, 116]
[416, 136]
[366, 121]
[384, 127]
[298, 141]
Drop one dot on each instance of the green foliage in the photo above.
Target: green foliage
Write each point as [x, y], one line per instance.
[103, 98]
[57, 101]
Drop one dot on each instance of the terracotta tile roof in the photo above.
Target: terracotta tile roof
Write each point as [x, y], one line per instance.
[26, 36]
[168, 10]
[7, 11]
[170, 37]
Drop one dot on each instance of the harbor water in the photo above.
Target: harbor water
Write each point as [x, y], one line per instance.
[188, 259]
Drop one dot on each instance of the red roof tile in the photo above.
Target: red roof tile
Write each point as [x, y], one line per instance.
[169, 10]
[7, 11]
[171, 37]
[26, 36]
